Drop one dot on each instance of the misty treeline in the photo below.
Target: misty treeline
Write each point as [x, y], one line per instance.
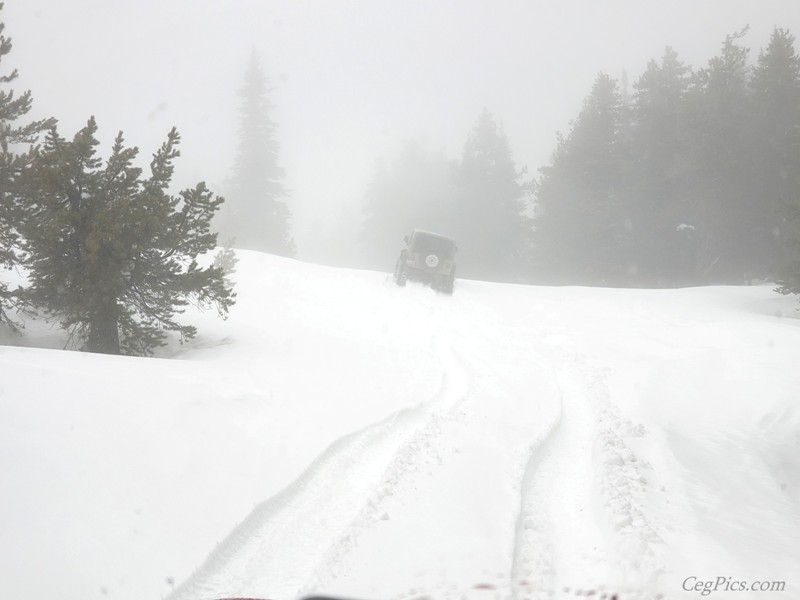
[691, 177]
[109, 252]
[479, 200]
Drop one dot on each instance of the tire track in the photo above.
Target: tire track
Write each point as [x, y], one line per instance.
[495, 391]
[283, 541]
[532, 568]
[409, 458]
[583, 524]
[485, 444]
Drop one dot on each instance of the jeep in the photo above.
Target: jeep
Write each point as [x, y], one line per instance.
[429, 258]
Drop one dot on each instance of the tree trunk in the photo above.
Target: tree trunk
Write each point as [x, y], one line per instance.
[104, 330]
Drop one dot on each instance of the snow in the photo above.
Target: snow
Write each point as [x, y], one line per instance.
[340, 435]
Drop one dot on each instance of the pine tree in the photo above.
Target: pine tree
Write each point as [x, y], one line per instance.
[411, 191]
[12, 163]
[775, 88]
[488, 213]
[722, 186]
[255, 214]
[579, 223]
[113, 256]
[661, 245]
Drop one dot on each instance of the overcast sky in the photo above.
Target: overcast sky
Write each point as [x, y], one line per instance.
[352, 78]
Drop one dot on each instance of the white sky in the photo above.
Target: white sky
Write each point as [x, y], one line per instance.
[352, 78]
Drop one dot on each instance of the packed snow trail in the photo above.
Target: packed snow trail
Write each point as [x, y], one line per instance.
[437, 484]
[488, 485]
[449, 529]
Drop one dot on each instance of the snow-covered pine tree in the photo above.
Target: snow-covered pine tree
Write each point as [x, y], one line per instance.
[113, 256]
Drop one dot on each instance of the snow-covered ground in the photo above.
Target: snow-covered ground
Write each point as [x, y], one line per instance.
[340, 435]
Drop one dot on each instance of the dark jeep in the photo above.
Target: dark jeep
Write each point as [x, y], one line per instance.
[428, 257]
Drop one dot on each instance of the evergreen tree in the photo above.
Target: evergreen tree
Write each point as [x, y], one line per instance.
[580, 222]
[113, 256]
[412, 191]
[660, 249]
[775, 88]
[695, 180]
[722, 187]
[12, 163]
[488, 214]
[255, 214]
[789, 274]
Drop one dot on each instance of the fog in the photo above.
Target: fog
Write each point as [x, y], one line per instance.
[352, 79]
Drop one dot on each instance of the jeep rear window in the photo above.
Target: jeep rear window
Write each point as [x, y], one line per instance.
[428, 244]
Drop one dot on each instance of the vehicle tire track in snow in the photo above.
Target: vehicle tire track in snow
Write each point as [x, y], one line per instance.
[584, 490]
[456, 516]
[563, 548]
[532, 568]
[407, 459]
[287, 537]
[622, 487]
